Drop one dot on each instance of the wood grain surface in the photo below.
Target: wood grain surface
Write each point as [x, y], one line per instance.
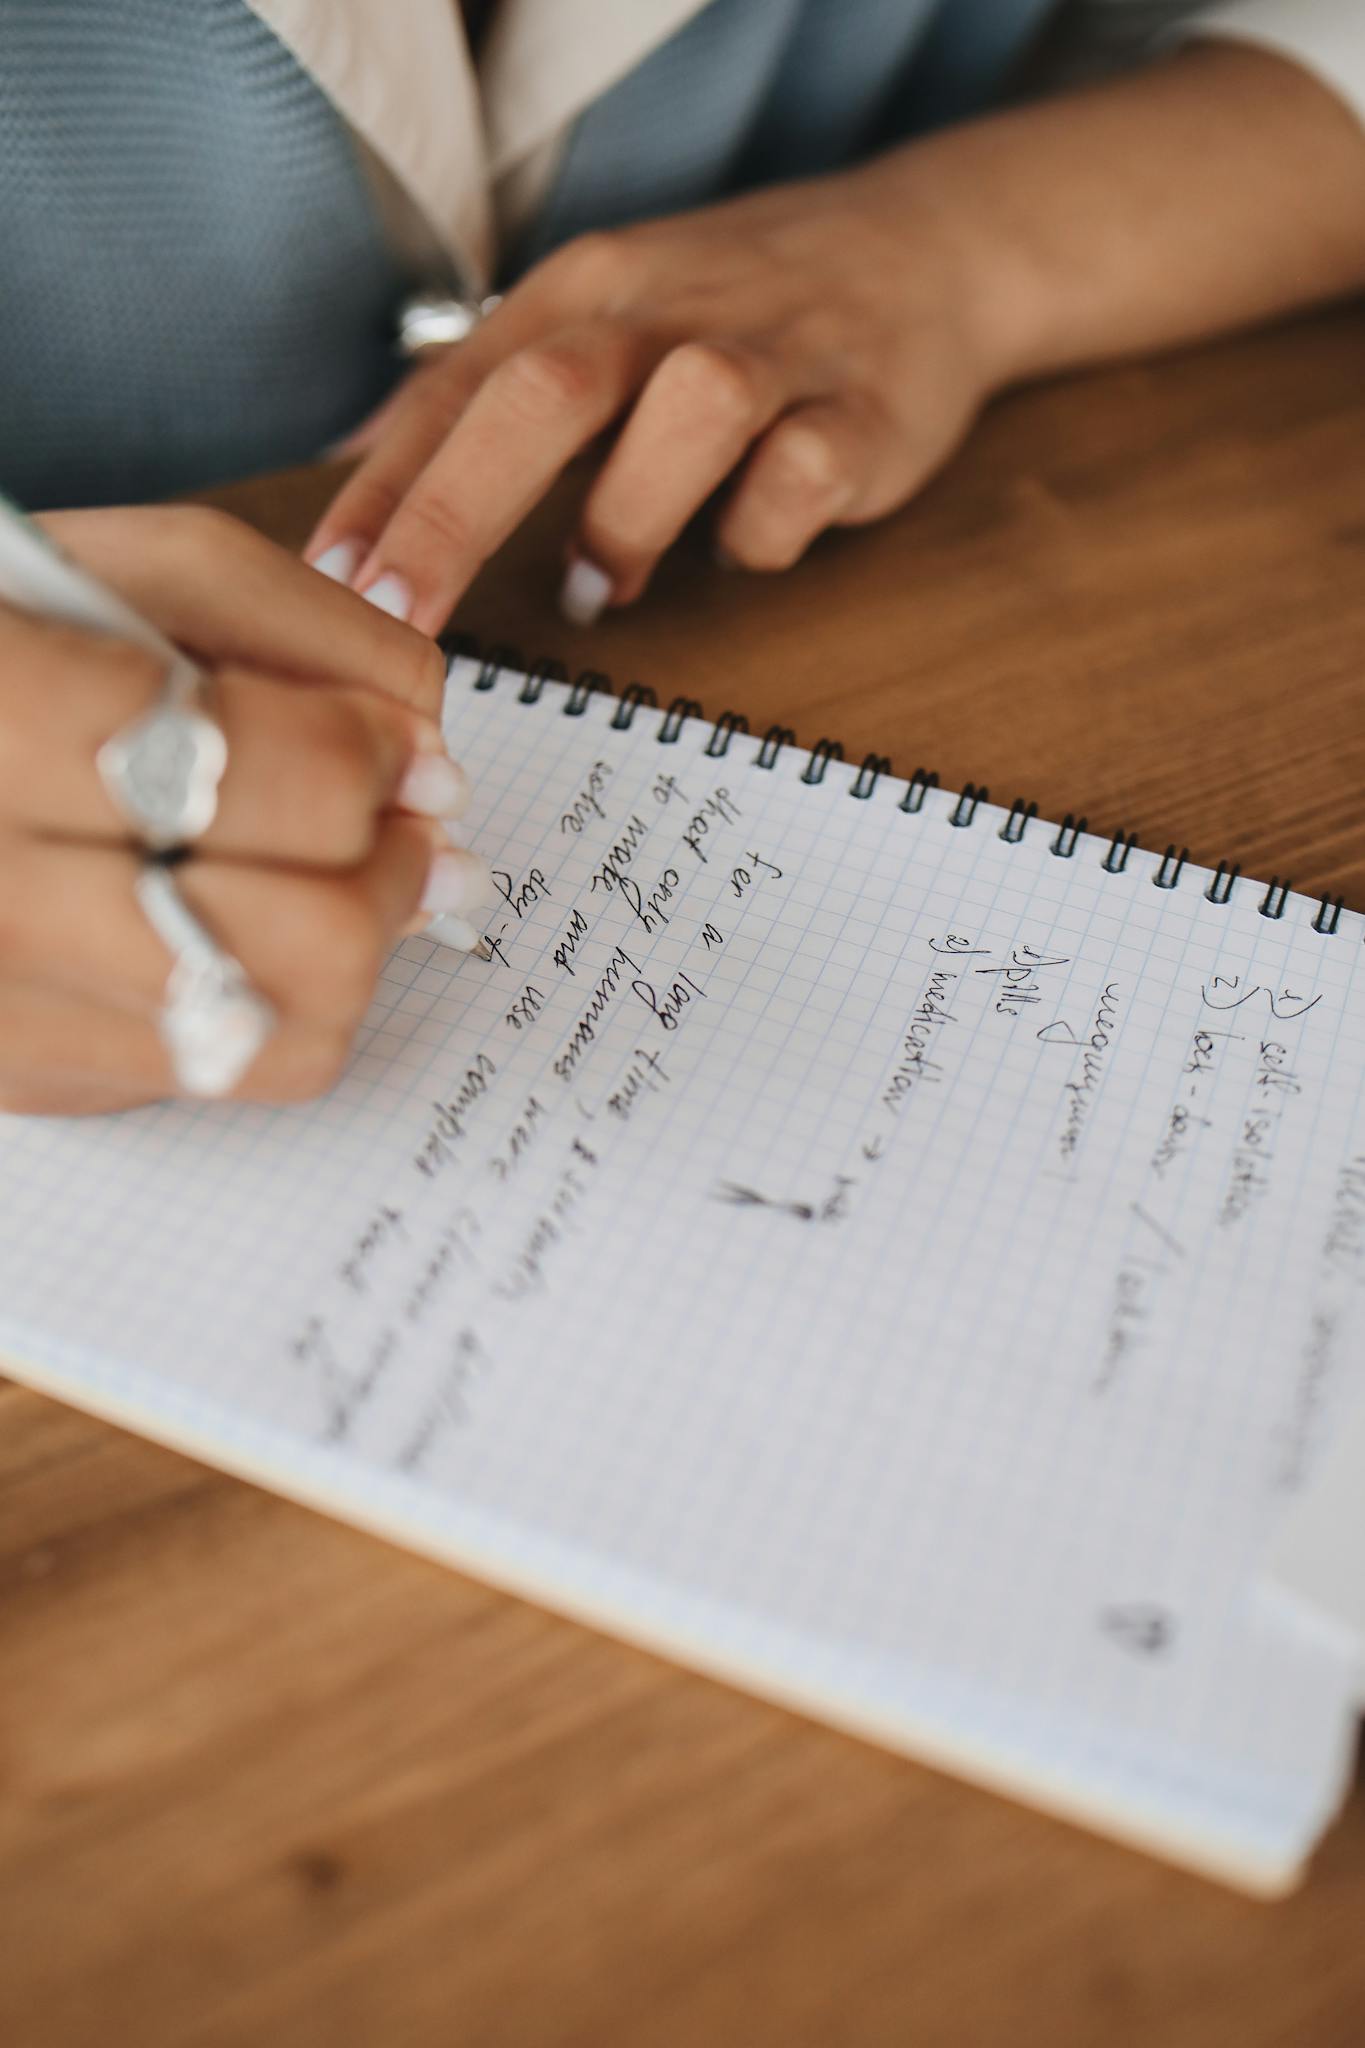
[263, 1779]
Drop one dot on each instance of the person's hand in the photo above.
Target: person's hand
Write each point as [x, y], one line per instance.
[325, 849]
[824, 341]
[829, 343]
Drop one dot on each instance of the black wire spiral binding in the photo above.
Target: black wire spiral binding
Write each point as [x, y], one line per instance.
[964, 810]
[681, 708]
[921, 782]
[723, 731]
[821, 754]
[774, 740]
[1167, 875]
[592, 681]
[1020, 817]
[1220, 888]
[494, 662]
[1272, 905]
[1116, 860]
[533, 689]
[869, 775]
[634, 698]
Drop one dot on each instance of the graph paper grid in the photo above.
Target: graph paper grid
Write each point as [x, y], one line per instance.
[915, 1293]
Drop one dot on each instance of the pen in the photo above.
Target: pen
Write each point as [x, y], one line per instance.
[39, 577]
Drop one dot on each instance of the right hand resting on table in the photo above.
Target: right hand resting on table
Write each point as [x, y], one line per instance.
[326, 847]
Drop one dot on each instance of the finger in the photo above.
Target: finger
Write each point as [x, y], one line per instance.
[412, 423]
[228, 594]
[416, 421]
[532, 415]
[308, 771]
[312, 944]
[423, 414]
[692, 423]
[814, 468]
[24, 1094]
[62, 1055]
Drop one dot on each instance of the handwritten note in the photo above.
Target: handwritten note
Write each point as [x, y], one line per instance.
[866, 1245]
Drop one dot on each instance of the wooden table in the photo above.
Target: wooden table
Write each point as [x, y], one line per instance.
[263, 1779]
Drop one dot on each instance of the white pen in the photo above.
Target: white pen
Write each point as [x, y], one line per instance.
[38, 576]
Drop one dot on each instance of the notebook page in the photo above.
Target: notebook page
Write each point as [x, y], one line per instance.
[1317, 1555]
[854, 1252]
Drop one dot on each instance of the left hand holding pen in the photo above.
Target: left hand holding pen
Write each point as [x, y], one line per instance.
[327, 842]
[818, 347]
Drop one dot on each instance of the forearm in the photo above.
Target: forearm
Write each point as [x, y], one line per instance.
[1210, 190]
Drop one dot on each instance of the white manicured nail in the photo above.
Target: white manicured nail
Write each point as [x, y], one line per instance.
[434, 787]
[390, 594]
[458, 880]
[584, 592]
[454, 931]
[341, 560]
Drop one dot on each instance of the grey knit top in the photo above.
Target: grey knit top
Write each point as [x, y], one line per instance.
[196, 282]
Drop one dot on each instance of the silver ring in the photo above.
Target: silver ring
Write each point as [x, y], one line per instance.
[436, 319]
[213, 1022]
[163, 771]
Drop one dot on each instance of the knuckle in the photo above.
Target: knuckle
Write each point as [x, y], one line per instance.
[348, 951]
[431, 517]
[343, 784]
[127, 679]
[195, 531]
[542, 382]
[765, 557]
[806, 462]
[767, 549]
[830, 335]
[424, 687]
[433, 398]
[129, 671]
[306, 1065]
[713, 382]
[597, 263]
[323, 1062]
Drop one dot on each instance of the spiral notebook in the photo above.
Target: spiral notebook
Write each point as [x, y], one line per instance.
[888, 1251]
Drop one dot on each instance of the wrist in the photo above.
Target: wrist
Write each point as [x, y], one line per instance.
[1211, 188]
[934, 202]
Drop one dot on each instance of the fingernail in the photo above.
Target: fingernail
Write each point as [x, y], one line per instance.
[390, 594]
[341, 560]
[584, 592]
[454, 931]
[434, 787]
[458, 880]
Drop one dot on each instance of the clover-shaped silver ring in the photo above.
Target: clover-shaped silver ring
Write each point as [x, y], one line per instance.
[163, 770]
